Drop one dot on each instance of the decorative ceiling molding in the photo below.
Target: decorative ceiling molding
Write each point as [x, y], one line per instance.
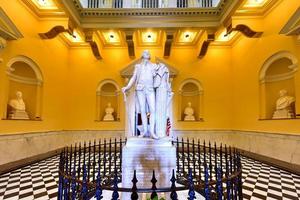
[56, 30]
[53, 32]
[205, 45]
[149, 37]
[292, 27]
[55, 12]
[187, 37]
[168, 43]
[245, 30]
[111, 38]
[260, 10]
[89, 39]
[149, 17]
[130, 43]
[8, 30]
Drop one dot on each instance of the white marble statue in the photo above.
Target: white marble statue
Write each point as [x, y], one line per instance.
[17, 107]
[163, 97]
[284, 107]
[152, 95]
[189, 113]
[109, 113]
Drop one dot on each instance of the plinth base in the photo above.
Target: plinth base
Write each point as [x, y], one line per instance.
[145, 155]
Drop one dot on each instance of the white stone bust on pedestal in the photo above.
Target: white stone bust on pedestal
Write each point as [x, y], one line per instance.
[109, 113]
[18, 108]
[189, 113]
[284, 106]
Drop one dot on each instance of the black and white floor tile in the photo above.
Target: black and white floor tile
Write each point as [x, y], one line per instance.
[39, 181]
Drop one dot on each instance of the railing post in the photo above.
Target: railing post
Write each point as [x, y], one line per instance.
[79, 161]
[153, 181]
[192, 194]
[173, 194]
[206, 184]
[210, 161]
[188, 153]
[115, 194]
[219, 187]
[94, 161]
[134, 194]
[84, 189]
[60, 181]
[98, 193]
[177, 154]
[183, 156]
[74, 187]
[194, 160]
[240, 183]
[199, 160]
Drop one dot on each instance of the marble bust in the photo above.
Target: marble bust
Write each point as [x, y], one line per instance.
[189, 113]
[109, 113]
[284, 108]
[17, 107]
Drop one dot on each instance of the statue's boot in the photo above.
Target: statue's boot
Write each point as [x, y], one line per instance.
[142, 135]
[154, 136]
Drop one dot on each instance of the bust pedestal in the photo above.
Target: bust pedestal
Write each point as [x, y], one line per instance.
[145, 155]
[18, 114]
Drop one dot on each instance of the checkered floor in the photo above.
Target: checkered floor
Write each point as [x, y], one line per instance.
[39, 181]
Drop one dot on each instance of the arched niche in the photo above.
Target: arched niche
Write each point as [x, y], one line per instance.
[277, 73]
[190, 90]
[108, 91]
[24, 75]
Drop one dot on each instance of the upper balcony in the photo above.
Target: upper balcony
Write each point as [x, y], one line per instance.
[95, 14]
[102, 4]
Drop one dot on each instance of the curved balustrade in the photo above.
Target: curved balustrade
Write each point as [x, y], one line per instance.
[214, 172]
[149, 3]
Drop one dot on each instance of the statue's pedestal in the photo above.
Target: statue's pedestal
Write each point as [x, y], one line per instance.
[145, 155]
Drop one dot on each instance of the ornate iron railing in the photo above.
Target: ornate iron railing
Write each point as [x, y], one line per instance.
[149, 3]
[214, 172]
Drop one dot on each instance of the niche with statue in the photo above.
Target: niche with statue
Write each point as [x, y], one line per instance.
[24, 89]
[277, 87]
[190, 101]
[108, 101]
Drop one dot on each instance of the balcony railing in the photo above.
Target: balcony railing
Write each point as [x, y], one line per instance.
[149, 3]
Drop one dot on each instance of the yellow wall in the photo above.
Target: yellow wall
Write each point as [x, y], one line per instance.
[85, 74]
[248, 57]
[52, 58]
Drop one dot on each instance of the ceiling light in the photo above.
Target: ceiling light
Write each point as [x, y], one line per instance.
[255, 3]
[45, 4]
[187, 36]
[149, 37]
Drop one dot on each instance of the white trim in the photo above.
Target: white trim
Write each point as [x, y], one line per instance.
[24, 80]
[279, 77]
[39, 77]
[194, 81]
[107, 94]
[272, 59]
[103, 82]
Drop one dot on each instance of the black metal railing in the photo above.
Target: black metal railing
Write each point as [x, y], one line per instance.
[214, 172]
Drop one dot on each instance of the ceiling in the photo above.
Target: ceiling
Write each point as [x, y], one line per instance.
[122, 27]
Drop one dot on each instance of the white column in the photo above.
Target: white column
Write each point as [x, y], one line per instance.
[172, 3]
